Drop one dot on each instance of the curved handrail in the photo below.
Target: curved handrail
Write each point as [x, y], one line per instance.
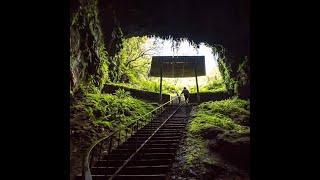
[86, 173]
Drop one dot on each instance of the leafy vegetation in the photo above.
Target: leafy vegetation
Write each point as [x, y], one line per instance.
[94, 115]
[226, 71]
[132, 61]
[133, 64]
[152, 86]
[222, 114]
[234, 78]
[243, 82]
[212, 86]
[97, 58]
[109, 111]
[205, 121]
[89, 60]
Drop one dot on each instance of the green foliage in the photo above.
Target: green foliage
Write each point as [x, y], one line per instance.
[107, 124]
[119, 109]
[131, 66]
[196, 149]
[242, 75]
[95, 115]
[132, 60]
[170, 88]
[226, 71]
[234, 77]
[121, 93]
[88, 58]
[152, 85]
[104, 63]
[215, 86]
[243, 71]
[204, 121]
[226, 107]
[220, 114]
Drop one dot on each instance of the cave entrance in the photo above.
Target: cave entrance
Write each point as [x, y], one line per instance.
[178, 67]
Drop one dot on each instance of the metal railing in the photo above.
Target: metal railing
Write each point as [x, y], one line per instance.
[106, 144]
[145, 141]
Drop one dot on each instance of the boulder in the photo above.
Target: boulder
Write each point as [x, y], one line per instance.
[212, 133]
[233, 147]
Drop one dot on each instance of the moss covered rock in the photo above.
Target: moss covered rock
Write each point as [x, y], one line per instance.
[233, 147]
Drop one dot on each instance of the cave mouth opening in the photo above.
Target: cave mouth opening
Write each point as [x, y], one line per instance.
[185, 47]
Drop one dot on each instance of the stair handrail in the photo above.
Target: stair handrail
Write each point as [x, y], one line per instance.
[86, 173]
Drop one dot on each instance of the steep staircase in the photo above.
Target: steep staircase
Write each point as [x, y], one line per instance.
[147, 154]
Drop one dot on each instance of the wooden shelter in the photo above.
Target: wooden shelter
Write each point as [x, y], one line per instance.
[178, 67]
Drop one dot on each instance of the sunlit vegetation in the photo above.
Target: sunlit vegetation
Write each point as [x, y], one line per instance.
[211, 86]
[133, 64]
[152, 86]
[105, 111]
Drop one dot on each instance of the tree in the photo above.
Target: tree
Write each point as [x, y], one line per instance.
[135, 59]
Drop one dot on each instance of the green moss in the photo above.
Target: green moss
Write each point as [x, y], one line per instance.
[212, 114]
[204, 121]
[88, 58]
[226, 107]
[95, 115]
[195, 149]
[219, 114]
[118, 109]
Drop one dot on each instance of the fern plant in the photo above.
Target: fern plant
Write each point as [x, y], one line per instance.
[121, 93]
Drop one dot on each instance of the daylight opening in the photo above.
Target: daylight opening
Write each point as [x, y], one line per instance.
[135, 59]
[169, 47]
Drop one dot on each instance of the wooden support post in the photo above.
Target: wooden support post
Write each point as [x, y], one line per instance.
[160, 96]
[196, 74]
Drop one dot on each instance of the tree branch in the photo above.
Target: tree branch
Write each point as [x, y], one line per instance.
[143, 53]
[143, 65]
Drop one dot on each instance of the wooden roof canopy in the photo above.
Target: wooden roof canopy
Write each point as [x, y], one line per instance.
[178, 66]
